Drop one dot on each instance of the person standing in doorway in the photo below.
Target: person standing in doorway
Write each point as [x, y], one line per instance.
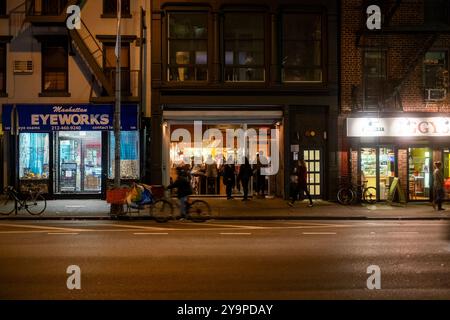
[245, 173]
[302, 187]
[438, 186]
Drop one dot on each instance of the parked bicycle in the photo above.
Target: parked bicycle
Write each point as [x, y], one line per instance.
[351, 193]
[10, 201]
[168, 208]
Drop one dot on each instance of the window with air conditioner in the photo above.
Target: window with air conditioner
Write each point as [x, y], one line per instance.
[435, 76]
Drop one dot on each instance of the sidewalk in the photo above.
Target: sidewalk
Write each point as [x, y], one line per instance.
[268, 209]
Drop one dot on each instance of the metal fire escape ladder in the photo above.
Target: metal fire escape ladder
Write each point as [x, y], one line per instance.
[92, 53]
[17, 19]
[427, 44]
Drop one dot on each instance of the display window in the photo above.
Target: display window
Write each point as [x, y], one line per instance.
[369, 167]
[129, 154]
[34, 156]
[446, 166]
[204, 160]
[419, 173]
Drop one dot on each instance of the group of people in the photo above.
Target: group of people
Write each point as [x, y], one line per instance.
[233, 175]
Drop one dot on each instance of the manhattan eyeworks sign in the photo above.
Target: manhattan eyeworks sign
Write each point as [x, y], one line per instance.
[69, 117]
[399, 127]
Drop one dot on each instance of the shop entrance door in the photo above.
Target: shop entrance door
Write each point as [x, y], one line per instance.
[78, 159]
[313, 160]
[419, 173]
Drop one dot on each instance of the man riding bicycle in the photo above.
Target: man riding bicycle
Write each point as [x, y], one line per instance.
[184, 190]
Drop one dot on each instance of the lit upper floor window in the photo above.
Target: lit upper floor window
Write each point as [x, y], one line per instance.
[302, 47]
[187, 44]
[244, 47]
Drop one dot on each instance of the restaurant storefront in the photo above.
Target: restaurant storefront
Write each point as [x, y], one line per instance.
[203, 141]
[67, 150]
[398, 146]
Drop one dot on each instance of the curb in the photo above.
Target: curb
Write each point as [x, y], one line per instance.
[233, 218]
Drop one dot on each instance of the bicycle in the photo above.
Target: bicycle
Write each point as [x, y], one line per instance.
[350, 192]
[10, 202]
[196, 210]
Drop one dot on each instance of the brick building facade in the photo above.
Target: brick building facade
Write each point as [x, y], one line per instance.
[395, 105]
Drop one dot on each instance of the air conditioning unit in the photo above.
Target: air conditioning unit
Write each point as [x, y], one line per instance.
[435, 94]
[23, 66]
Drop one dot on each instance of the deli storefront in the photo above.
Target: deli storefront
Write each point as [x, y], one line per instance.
[399, 146]
[67, 150]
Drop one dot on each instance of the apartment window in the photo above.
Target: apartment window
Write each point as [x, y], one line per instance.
[302, 48]
[436, 12]
[109, 66]
[110, 7]
[54, 66]
[374, 78]
[2, 69]
[2, 7]
[188, 47]
[435, 75]
[244, 47]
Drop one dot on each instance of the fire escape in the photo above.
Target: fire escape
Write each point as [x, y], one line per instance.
[45, 13]
[427, 33]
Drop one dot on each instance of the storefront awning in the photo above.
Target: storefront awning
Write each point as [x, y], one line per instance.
[69, 117]
[221, 116]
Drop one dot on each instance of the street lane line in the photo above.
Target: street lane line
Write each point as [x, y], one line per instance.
[39, 227]
[62, 233]
[131, 226]
[319, 233]
[150, 233]
[230, 225]
[403, 232]
[235, 233]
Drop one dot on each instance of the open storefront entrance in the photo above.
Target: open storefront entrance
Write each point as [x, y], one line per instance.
[202, 147]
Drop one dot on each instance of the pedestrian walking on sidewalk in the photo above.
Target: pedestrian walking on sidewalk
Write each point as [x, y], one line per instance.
[438, 186]
[302, 187]
[245, 173]
[228, 177]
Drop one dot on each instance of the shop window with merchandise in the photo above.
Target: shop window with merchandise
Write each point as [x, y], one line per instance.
[34, 161]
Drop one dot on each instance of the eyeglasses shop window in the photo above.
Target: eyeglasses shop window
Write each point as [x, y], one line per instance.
[187, 47]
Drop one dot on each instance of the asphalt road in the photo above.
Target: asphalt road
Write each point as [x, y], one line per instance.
[224, 259]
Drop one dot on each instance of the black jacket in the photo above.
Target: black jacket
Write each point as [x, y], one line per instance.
[228, 174]
[183, 187]
[245, 172]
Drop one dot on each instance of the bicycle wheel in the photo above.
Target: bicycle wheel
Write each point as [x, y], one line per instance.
[7, 204]
[370, 195]
[345, 196]
[199, 211]
[162, 210]
[35, 204]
